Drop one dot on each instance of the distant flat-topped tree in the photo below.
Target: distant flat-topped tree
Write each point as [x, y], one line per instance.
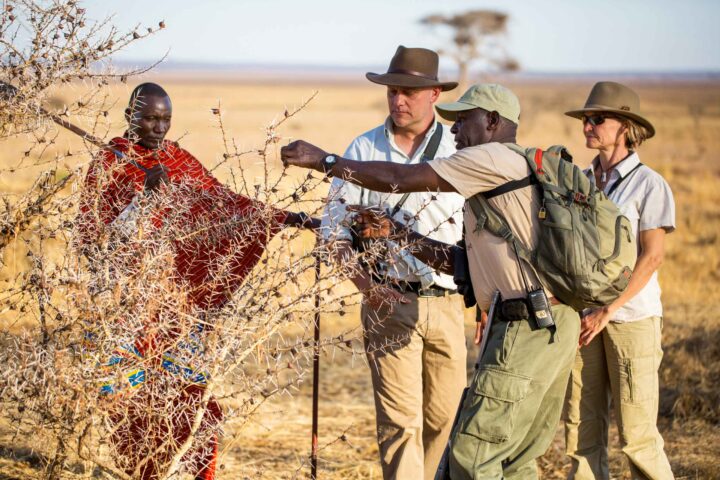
[477, 36]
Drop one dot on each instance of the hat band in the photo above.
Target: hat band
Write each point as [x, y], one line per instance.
[413, 73]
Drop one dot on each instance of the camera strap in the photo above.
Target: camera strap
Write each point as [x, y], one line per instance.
[428, 154]
[621, 179]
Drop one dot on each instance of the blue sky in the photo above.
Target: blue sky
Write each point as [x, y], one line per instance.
[545, 36]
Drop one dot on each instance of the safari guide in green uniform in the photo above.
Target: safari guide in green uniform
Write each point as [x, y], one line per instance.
[512, 411]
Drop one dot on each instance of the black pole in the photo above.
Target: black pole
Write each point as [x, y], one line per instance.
[316, 375]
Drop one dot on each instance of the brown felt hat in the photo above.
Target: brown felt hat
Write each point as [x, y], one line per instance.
[614, 98]
[413, 68]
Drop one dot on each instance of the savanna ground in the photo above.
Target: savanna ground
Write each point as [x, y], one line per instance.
[276, 443]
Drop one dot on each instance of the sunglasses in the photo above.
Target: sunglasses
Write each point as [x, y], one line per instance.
[595, 120]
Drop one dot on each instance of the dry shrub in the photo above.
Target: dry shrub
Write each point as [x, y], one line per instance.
[107, 348]
[691, 372]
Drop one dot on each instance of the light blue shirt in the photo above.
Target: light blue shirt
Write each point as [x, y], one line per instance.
[432, 209]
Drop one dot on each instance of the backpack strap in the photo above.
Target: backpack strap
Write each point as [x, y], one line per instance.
[428, 154]
[510, 186]
[487, 218]
[531, 179]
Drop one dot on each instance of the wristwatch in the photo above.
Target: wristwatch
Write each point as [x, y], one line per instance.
[328, 162]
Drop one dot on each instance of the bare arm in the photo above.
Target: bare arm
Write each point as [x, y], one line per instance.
[301, 220]
[652, 252]
[439, 255]
[377, 176]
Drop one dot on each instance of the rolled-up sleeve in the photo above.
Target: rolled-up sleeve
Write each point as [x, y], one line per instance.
[470, 171]
[657, 210]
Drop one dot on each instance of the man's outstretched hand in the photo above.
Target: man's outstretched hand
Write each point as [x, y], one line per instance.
[303, 154]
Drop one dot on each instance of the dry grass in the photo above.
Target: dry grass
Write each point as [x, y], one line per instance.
[276, 445]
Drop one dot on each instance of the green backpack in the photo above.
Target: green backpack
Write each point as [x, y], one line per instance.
[586, 249]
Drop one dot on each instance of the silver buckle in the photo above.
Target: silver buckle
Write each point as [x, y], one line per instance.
[432, 292]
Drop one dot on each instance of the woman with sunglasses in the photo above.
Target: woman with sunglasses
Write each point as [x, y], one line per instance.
[620, 350]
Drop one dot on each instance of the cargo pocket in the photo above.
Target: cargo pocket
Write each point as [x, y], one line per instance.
[558, 246]
[638, 379]
[490, 413]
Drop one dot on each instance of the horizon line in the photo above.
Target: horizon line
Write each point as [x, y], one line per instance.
[341, 70]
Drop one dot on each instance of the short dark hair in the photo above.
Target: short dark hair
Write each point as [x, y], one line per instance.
[146, 90]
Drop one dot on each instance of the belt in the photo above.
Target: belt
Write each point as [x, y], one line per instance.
[516, 309]
[417, 288]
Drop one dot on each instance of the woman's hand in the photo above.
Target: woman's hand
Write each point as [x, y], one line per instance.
[593, 323]
[652, 248]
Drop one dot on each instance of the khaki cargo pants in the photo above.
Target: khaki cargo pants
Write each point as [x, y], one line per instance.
[417, 358]
[621, 364]
[513, 407]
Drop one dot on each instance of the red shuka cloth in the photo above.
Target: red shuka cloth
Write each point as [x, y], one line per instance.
[195, 259]
[112, 182]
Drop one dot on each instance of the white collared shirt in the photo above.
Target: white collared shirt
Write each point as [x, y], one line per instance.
[432, 214]
[645, 198]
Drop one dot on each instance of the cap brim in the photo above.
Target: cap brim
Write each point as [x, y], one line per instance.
[620, 113]
[410, 81]
[448, 111]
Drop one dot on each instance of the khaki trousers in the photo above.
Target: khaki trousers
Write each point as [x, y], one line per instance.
[417, 358]
[512, 410]
[620, 365]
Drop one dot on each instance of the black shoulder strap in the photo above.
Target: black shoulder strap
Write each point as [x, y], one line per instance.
[433, 144]
[428, 154]
[510, 186]
[620, 180]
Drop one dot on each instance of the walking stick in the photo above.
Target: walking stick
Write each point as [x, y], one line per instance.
[8, 91]
[316, 376]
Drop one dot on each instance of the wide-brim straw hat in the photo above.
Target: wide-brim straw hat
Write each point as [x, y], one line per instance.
[412, 68]
[614, 98]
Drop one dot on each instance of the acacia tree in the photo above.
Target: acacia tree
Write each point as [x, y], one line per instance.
[70, 317]
[76, 388]
[476, 35]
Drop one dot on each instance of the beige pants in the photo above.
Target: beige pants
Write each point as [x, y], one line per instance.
[620, 364]
[417, 357]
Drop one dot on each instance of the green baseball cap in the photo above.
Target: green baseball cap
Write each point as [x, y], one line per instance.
[488, 96]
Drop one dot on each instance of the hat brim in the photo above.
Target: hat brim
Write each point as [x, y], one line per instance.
[620, 113]
[410, 81]
[449, 111]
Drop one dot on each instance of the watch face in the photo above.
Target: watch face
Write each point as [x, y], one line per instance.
[330, 159]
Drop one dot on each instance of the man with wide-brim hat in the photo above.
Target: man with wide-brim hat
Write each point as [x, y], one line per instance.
[620, 343]
[512, 407]
[413, 68]
[411, 314]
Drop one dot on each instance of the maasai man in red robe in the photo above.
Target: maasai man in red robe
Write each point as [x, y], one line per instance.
[142, 162]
